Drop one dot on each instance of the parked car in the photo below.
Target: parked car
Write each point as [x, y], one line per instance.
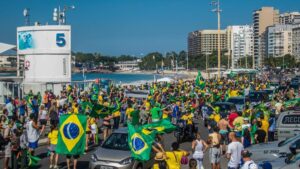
[225, 107]
[272, 150]
[288, 124]
[115, 153]
[239, 102]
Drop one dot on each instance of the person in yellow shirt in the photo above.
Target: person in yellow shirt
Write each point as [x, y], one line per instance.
[264, 124]
[53, 137]
[173, 158]
[129, 110]
[160, 161]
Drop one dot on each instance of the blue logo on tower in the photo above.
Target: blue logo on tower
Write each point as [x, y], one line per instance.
[71, 131]
[25, 40]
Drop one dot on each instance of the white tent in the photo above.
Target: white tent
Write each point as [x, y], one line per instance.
[165, 79]
[5, 47]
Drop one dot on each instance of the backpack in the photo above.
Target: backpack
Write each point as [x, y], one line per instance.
[3, 141]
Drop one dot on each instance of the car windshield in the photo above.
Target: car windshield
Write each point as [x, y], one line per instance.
[117, 141]
[236, 100]
[282, 143]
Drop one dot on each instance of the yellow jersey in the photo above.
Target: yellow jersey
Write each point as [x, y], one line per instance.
[53, 136]
[188, 118]
[174, 158]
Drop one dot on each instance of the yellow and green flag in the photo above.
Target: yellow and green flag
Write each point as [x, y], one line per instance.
[140, 144]
[71, 134]
[200, 82]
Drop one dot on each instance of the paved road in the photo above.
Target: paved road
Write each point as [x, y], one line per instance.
[84, 159]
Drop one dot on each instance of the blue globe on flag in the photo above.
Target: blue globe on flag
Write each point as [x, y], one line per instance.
[138, 144]
[71, 130]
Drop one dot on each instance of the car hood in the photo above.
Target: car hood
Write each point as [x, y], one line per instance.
[104, 154]
[263, 146]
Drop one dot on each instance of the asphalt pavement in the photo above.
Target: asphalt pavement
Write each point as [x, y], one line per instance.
[83, 161]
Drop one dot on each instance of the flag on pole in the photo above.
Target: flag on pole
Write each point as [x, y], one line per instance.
[71, 134]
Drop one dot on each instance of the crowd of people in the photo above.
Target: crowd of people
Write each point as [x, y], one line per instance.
[24, 121]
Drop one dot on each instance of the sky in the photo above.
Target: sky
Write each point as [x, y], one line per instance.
[133, 27]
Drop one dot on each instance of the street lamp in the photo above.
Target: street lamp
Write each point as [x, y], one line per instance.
[218, 11]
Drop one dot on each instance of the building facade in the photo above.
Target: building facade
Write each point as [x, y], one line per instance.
[262, 18]
[296, 42]
[279, 40]
[241, 42]
[289, 18]
[206, 42]
[194, 40]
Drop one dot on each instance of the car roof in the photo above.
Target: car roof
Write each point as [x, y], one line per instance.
[226, 103]
[121, 130]
[237, 97]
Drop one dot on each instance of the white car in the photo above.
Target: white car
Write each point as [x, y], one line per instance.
[272, 150]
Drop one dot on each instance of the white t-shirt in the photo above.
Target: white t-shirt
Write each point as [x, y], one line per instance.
[235, 149]
[249, 165]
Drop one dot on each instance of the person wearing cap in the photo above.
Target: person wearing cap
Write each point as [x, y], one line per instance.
[160, 161]
[248, 163]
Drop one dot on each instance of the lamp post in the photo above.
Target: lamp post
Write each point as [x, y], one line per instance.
[218, 11]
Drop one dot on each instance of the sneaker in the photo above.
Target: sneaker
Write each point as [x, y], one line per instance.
[55, 167]
[51, 166]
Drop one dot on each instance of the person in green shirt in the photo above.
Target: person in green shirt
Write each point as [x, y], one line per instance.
[156, 113]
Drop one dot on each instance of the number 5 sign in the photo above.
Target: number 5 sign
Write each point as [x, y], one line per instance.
[60, 40]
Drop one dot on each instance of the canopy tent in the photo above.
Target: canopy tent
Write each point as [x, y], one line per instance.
[5, 47]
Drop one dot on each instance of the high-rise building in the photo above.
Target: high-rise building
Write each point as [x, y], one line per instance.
[279, 40]
[205, 42]
[289, 18]
[262, 18]
[296, 42]
[241, 42]
[194, 45]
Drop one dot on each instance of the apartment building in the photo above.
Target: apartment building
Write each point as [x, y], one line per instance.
[241, 42]
[262, 18]
[206, 42]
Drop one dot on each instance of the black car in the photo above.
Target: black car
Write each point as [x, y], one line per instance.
[225, 107]
[258, 96]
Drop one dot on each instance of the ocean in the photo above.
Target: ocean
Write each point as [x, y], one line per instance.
[127, 78]
[117, 77]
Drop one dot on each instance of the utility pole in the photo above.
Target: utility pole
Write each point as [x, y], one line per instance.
[218, 11]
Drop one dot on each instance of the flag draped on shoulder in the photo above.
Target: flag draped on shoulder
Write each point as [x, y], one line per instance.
[200, 82]
[140, 144]
[71, 135]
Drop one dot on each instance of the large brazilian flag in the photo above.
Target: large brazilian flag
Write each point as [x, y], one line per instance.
[71, 134]
[140, 144]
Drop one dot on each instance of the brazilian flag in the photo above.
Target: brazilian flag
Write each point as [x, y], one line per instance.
[161, 127]
[140, 144]
[200, 81]
[101, 111]
[71, 134]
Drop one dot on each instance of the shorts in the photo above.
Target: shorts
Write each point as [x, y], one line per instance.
[7, 152]
[33, 145]
[224, 137]
[214, 155]
[74, 156]
[52, 148]
[88, 132]
[43, 121]
[106, 126]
